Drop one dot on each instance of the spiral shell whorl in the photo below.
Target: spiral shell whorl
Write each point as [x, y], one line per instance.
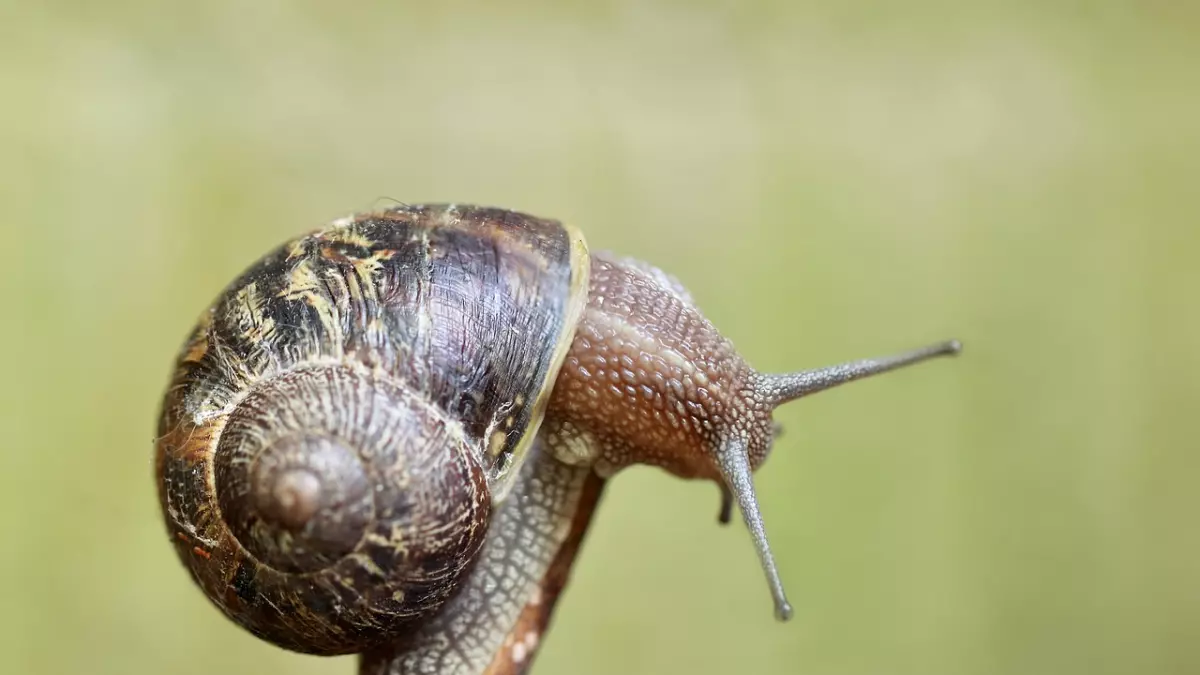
[299, 505]
[345, 414]
[290, 475]
[352, 507]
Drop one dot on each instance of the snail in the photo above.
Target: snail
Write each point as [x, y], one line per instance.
[388, 436]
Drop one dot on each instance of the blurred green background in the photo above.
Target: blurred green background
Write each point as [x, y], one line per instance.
[832, 180]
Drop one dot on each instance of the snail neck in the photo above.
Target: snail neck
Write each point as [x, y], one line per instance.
[648, 379]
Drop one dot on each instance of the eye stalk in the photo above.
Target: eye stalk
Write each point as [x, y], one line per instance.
[782, 388]
[733, 455]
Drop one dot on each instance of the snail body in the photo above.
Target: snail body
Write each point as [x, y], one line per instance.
[388, 436]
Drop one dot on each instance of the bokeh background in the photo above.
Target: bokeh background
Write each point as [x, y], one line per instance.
[832, 180]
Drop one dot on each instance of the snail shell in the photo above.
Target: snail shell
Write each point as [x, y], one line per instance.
[346, 414]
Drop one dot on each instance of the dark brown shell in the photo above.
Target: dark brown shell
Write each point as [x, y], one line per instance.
[346, 413]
